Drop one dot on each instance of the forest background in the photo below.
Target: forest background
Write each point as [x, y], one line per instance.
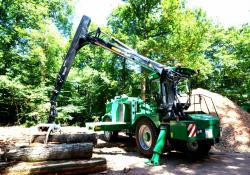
[35, 36]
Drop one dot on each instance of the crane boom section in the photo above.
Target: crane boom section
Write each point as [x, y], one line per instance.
[82, 38]
[124, 51]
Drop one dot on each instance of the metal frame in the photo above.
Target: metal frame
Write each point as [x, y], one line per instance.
[201, 96]
[168, 76]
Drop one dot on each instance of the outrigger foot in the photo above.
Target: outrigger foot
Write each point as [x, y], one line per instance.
[154, 161]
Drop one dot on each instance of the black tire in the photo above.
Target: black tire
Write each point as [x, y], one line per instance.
[192, 147]
[146, 136]
[198, 148]
[110, 136]
[204, 148]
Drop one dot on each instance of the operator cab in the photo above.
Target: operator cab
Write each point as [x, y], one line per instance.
[177, 92]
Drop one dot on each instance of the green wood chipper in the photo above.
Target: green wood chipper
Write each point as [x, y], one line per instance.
[167, 121]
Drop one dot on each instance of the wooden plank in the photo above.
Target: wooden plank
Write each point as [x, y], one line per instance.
[67, 138]
[63, 167]
[50, 152]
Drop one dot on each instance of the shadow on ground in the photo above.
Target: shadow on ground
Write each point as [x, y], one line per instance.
[122, 158]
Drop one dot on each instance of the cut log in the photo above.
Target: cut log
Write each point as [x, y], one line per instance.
[4, 165]
[57, 167]
[66, 138]
[51, 152]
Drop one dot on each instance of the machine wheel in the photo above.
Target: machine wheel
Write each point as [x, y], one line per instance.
[110, 136]
[198, 148]
[204, 148]
[146, 136]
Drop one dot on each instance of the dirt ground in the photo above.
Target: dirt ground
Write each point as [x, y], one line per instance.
[123, 158]
[230, 156]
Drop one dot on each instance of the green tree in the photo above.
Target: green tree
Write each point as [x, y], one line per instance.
[228, 52]
[170, 33]
[31, 45]
[165, 31]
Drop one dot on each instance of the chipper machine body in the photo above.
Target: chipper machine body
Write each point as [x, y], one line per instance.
[163, 123]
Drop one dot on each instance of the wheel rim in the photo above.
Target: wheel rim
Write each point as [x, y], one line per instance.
[145, 137]
[193, 146]
[107, 134]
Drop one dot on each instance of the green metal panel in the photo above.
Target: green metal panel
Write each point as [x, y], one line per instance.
[146, 110]
[135, 108]
[107, 126]
[133, 111]
[127, 113]
[108, 107]
[178, 129]
[153, 118]
[205, 119]
[115, 111]
[208, 126]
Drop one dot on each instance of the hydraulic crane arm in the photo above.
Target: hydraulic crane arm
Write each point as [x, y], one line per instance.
[121, 49]
[82, 38]
[78, 41]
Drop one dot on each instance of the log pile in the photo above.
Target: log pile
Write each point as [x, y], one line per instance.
[66, 138]
[61, 167]
[64, 154]
[50, 152]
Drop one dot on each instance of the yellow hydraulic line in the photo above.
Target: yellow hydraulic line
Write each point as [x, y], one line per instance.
[118, 52]
[113, 49]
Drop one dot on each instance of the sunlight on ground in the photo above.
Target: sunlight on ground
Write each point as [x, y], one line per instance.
[233, 167]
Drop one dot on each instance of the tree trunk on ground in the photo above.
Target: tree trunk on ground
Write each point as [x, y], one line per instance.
[57, 167]
[51, 152]
[66, 138]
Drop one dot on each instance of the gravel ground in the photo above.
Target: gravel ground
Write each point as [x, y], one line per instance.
[123, 158]
[230, 156]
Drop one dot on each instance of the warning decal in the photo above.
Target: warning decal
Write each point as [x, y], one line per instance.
[191, 130]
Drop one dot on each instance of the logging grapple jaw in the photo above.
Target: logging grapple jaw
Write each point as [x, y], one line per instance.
[45, 129]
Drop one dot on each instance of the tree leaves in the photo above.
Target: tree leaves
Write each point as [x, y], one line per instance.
[31, 49]
[34, 37]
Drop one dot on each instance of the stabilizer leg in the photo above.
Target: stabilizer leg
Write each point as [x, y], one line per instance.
[158, 147]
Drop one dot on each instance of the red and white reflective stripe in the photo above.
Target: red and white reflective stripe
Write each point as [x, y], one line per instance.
[191, 130]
